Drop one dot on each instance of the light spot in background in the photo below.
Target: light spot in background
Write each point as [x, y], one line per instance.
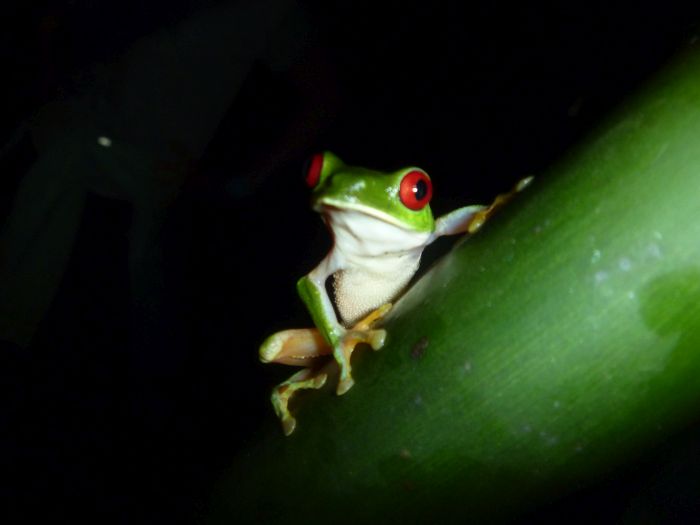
[105, 142]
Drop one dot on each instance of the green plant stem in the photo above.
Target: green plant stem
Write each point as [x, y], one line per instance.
[556, 343]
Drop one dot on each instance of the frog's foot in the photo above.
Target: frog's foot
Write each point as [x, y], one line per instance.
[297, 347]
[282, 393]
[361, 332]
[480, 217]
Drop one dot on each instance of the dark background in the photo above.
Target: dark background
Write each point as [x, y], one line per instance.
[479, 95]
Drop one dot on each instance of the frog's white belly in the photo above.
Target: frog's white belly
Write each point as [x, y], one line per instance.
[376, 260]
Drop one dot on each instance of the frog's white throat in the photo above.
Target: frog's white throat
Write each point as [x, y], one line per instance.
[375, 260]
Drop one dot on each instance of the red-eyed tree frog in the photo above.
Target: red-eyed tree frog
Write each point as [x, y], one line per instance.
[380, 223]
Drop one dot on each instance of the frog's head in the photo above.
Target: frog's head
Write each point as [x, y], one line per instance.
[400, 198]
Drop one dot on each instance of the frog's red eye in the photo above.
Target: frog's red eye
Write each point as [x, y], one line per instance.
[415, 190]
[312, 170]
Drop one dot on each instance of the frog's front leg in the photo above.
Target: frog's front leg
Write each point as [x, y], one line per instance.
[341, 340]
[502, 199]
[470, 219]
[361, 332]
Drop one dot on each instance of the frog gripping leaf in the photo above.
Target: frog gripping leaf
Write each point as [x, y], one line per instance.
[380, 223]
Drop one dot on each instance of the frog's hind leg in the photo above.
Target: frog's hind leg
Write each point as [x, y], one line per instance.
[298, 347]
[307, 347]
[302, 380]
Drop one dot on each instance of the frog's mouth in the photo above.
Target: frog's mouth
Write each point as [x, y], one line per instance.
[327, 207]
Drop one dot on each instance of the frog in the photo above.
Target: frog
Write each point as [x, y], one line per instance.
[380, 223]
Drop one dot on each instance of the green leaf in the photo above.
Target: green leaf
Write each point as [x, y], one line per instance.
[556, 343]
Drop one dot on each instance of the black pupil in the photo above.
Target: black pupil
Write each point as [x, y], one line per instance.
[420, 190]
